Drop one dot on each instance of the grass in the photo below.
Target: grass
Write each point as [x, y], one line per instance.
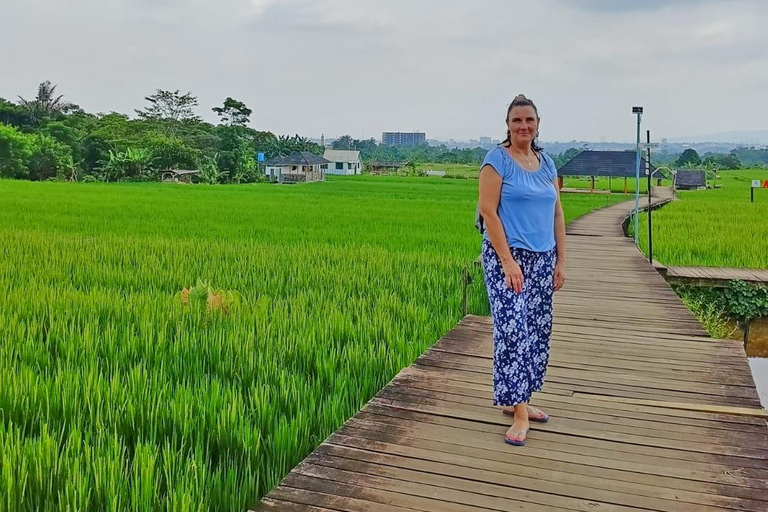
[125, 385]
[714, 227]
[462, 170]
[615, 185]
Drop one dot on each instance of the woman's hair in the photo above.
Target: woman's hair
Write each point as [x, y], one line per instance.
[521, 101]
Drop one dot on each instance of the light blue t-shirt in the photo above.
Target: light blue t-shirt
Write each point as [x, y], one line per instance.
[527, 202]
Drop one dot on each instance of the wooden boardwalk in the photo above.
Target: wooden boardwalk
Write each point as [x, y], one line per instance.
[647, 412]
[711, 275]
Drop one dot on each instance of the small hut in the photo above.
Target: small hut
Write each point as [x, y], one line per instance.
[300, 167]
[690, 179]
[178, 175]
[610, 164]
[386, 167]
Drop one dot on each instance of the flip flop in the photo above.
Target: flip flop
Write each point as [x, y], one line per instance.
[517, 443]
[539, 419]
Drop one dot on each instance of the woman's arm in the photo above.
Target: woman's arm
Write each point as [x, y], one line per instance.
[490, 193]
[559, 278]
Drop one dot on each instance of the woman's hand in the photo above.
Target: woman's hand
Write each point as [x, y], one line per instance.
[559, 277]
[513, 275]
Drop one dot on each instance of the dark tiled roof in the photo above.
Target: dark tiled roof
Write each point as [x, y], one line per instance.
[690, 178]
[618, 164]
[299, 158]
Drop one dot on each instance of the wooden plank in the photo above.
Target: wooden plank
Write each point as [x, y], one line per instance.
[498, 481]
[409, 421]
[579, 428]
[738, 411]
[484, 453]
[612, 408]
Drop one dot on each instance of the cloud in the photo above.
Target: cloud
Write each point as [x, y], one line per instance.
[630, 5]
[329, 16]
[448, 67]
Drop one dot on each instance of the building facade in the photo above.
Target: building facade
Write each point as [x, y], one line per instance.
[341, 161]
[403, 138]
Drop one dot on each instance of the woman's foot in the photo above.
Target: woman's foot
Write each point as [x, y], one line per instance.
[534, 414]
[518, 433]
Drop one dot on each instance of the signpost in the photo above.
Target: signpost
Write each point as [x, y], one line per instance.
[260, 160]
[639, 112]
[756, 184]
[648, 147]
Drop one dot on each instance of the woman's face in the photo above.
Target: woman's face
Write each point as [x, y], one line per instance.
[523, 124]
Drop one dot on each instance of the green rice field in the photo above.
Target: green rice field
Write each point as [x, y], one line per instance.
[181, 348]
[604, 184]
[615, 185]
[714, 227]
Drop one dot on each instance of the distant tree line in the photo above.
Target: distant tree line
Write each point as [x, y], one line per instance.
[370, 150]
[49, 138]
[691, 159]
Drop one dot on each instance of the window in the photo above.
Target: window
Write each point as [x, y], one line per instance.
[339, 165]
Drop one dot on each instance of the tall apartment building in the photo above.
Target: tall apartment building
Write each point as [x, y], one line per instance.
[403, 138]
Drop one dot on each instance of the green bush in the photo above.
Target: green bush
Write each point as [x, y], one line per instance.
[172, 153]
[49, 159]
[15, 150]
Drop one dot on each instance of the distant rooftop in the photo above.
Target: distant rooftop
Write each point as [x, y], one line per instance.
[617, 164]
[299, 158]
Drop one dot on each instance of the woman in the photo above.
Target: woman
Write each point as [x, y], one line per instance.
[524, 262]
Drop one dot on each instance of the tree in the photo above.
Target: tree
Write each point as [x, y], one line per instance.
[689, 157]
[50, 158]
[170, 106]
[46, 104]
[344, 142]
[233, 113]
[235, 156]
[720, 161]
[15, 150]
[567, 155]
[171, 152]
[13, 114]
[284, 146]
[128, 164]
[67, 135]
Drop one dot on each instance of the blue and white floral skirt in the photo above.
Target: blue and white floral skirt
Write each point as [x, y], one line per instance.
[522, 323]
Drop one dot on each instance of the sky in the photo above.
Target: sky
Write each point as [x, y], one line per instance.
[448, 68]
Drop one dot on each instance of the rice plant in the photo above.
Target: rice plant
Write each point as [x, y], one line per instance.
[717, 227]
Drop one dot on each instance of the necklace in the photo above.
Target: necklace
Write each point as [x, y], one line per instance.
[528, 162]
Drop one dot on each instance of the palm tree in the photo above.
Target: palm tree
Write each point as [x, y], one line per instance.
[46, 104]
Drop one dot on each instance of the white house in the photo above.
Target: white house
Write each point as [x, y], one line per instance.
[343, 161]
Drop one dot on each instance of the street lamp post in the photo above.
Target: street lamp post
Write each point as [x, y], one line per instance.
[639, 112]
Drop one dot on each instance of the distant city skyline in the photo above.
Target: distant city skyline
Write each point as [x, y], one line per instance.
[756, 137]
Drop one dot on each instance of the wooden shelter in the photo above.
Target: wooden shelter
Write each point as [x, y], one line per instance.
[178, 175]
[690, 179]
[386, 167]
[610, 164]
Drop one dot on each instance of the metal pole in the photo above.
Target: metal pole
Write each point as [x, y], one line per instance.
[650, 224]
[637, 179]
